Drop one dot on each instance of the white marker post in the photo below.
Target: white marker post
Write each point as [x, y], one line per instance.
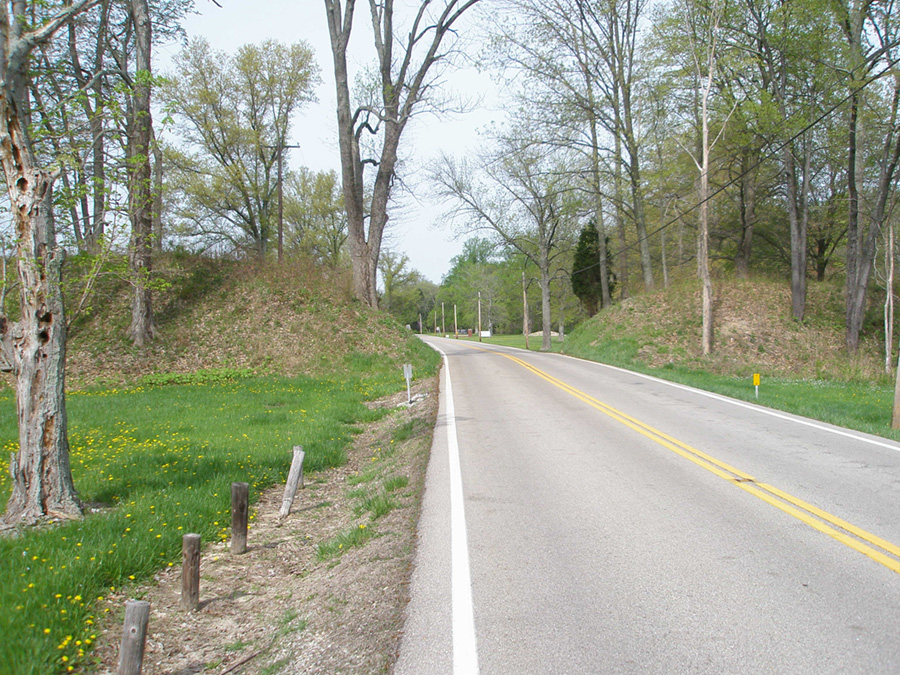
[756, 383]
[407, 373]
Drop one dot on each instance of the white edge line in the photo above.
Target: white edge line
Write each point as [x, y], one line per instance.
[465, 652]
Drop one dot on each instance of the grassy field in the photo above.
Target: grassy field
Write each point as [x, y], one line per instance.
[154, 462]
[864, 405]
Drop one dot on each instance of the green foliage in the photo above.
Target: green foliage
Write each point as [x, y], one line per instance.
[315, 221]
[233, 112]
[156, 462]
[585, 276]
[209, 376]
[352, 537]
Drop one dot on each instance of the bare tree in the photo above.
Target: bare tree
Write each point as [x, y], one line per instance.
[703, 32]
[140, 190]
[403, 83]
[525, 199]
[35, 345]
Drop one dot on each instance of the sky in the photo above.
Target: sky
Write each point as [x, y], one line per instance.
[416, 230]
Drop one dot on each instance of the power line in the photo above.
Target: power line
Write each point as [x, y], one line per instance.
[777, 149]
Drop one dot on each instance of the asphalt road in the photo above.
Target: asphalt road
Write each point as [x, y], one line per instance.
[583, 519]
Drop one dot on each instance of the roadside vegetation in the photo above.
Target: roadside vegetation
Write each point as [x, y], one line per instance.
[802, 365]
[155, 446]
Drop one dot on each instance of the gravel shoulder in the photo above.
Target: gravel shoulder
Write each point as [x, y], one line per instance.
[284, 607]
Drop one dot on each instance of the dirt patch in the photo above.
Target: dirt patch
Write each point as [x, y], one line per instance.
[281, 607]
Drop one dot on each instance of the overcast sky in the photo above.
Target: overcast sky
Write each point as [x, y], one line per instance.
[413, 232]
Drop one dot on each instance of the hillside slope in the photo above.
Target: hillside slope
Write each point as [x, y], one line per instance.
[754, 332]
[223, 314]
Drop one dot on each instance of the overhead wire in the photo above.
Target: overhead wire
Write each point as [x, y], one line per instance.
[765, 157]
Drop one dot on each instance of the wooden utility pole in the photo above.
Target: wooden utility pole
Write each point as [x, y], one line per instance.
[455, 325]
[479, 317]
[525, 330]
[281, 146]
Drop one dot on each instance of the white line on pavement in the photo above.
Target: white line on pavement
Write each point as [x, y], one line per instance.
[465, 653]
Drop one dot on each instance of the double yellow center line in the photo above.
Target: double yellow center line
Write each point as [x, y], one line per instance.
[875, 547]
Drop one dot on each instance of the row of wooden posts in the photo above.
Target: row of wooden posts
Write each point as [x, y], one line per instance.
[137, 612]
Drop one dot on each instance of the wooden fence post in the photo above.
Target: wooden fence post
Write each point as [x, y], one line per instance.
[134, 637]
[295, 479]
[190, 572]
[240, 507]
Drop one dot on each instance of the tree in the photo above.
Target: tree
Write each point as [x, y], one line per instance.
[140, 190]
[586, 268]
[699, 26]
[35, 345]
[314, 215]
[395, 273]
[81, 90]
[403, 83]
[234, 114]
[524, 198]
[871, 40]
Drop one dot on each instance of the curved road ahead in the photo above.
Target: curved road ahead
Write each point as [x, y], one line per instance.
[583, 519]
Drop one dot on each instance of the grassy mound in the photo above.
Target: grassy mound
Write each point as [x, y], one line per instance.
[754, 333]
[223, 315]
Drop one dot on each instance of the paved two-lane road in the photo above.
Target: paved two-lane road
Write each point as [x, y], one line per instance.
[583, 519]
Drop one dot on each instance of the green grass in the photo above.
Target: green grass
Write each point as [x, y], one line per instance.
[862, 405]
[352, 537]
[377, 505]
[395, 483]
[157, 462]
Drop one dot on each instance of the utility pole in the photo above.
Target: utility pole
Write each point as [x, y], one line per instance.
[455, 324]
[524, 310]
[479, 317]
[443, 322]
[280, 148]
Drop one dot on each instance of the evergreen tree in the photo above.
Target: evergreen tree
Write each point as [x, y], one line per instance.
[586, 268]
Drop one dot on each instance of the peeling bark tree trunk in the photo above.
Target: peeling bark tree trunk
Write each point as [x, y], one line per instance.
[42, 479]
[140, 189]
[35, 345]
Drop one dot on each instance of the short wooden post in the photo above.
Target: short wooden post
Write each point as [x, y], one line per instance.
[134, 637]
[190, 572]
[240, 507]
[295, 479]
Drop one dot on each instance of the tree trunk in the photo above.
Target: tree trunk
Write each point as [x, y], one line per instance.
[748, 219]
[798, 237]
[706, 341]
[157, 196]
[546, 318]
[605, 293]
[620, 222]
[857, 274]
[889, 298]
[140, 188]
[35, 346]
[864, 246]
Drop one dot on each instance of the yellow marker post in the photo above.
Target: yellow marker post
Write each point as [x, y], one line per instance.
[756, 383]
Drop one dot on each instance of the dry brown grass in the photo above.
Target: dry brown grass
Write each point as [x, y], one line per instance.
[285, 319]
[754, 331]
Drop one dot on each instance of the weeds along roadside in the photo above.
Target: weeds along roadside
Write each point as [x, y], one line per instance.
[853, 402]
[154, 463]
